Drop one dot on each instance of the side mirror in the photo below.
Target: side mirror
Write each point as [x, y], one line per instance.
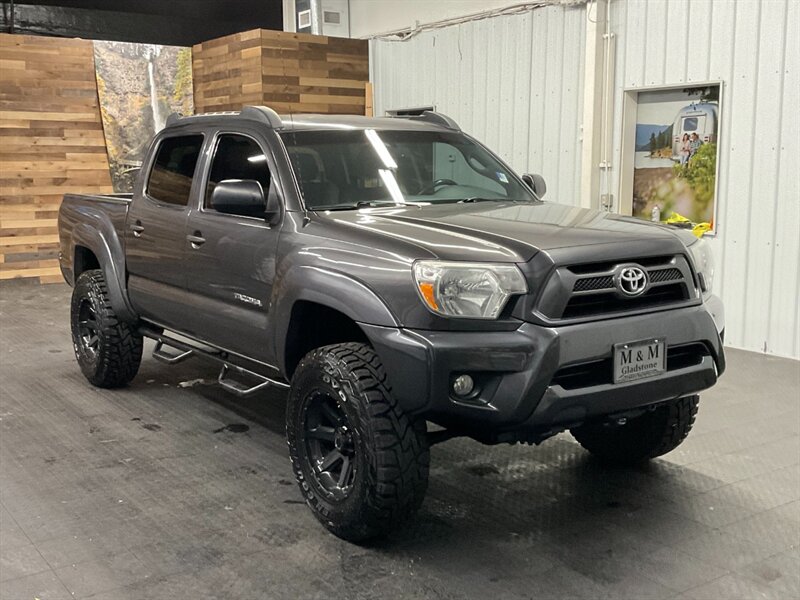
[245, 197]
[536, 183]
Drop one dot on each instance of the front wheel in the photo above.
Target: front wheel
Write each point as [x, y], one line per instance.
[647, 436]
[108, 350]
[360, 462]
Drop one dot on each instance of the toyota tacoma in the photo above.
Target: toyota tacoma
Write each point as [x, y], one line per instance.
[405, 285]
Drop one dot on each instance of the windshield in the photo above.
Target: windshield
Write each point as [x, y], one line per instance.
[368, 167]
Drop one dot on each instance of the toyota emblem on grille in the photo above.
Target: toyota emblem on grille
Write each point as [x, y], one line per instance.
[631, 280]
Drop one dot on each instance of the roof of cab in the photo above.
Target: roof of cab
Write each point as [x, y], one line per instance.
[307, 122]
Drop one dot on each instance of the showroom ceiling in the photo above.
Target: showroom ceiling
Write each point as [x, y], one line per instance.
[178, 22]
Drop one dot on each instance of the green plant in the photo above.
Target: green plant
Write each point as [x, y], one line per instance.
[700, 173]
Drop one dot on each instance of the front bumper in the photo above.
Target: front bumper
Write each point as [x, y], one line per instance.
[521, 374]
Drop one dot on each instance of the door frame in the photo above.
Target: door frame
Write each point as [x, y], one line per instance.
[199, 212]
[627, 144]
[208, 160]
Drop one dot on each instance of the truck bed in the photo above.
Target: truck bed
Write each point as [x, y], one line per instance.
[117, 197]
[81, 214]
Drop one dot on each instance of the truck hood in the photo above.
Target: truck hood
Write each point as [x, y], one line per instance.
[507, 231]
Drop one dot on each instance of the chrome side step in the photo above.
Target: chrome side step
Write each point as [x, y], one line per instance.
[170, 359]
[186, 350]
[241, 389]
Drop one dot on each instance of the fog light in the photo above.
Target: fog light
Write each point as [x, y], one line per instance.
[463, 385]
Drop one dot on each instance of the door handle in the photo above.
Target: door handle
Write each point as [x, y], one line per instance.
[137, 229]
[196, 240]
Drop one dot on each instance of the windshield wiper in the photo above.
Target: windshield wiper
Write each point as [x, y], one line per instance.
[479, 199]
[367, 204]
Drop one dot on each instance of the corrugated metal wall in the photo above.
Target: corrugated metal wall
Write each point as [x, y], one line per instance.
[513, 82]
[754, 48]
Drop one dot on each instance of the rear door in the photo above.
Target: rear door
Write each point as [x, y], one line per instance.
[155, 237]
[231, 262]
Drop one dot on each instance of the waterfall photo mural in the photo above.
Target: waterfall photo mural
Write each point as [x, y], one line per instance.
[139, 85]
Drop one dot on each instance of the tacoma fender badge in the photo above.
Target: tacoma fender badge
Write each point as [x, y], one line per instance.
[247, 299]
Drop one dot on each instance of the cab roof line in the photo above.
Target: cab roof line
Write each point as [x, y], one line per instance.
[434, 118]
[267, 116]
[260, 114]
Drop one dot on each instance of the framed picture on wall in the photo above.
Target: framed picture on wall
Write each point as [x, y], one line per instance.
[671, 154]
[138, 85]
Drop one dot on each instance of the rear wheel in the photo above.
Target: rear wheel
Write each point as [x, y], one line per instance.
[361, 463]
[108, 350]
[644, 437]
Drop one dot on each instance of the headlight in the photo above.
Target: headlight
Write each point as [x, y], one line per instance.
[703, 263]
[467, 290]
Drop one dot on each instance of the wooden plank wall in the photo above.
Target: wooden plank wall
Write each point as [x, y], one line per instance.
[290, 72]
[51, 143]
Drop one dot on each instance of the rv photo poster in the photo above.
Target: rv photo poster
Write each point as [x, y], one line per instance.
[675, 161]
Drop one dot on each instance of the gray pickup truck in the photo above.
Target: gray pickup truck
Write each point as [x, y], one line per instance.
[391, 272]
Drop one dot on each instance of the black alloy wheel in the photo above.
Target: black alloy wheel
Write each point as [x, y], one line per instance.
[330, 445]
[88, 334]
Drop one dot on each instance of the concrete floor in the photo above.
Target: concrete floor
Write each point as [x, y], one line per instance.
[164, 491]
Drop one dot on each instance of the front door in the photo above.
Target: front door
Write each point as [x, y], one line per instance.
[155, 237]
[230, 259]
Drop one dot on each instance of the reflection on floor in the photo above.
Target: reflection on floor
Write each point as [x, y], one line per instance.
[164, 491]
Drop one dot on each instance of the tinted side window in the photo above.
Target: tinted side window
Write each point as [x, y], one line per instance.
[237, 157]
[171, 177]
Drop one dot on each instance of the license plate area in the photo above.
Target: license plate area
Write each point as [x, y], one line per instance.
[639, 360]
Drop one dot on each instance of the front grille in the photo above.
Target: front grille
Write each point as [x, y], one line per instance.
[665, 275]
[588, 290]
[689, 355]
[609, 302]
[600, 372]
[597, 267]
[593, 283]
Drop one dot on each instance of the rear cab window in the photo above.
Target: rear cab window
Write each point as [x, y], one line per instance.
[170, 180]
